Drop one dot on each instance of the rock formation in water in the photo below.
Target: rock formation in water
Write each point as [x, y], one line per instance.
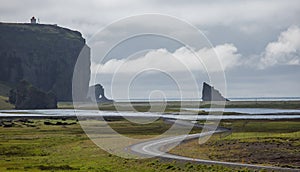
[96, 94]
[209, 93]
[44, 55]
[26, 96]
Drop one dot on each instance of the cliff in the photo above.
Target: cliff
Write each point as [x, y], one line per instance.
[43, 55]
[209, 93]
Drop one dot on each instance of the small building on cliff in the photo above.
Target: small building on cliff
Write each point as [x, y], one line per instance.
[33, 20]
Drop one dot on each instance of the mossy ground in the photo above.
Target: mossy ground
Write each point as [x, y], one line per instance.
[274, 143]
[31, 145]
[176, 106]
[4, 104]
[61, 145]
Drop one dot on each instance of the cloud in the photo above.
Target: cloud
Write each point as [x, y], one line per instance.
[250, 25]
[284, 51]
[89, 16]
[243, 78]
[182, 59]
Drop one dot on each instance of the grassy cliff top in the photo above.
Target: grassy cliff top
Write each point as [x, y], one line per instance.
[41, 28]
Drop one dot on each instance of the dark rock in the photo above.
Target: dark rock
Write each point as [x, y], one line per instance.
[209, 93]
[96, 94]
[7, 125]
[12, 96]
[47, 123]
[44, 55]
[58, 123]
[23, 120]
[29, 97]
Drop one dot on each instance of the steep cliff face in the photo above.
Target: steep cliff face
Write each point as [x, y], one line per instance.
[44, 55]
[209, 93]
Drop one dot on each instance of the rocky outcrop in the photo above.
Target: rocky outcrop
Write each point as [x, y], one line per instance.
[96, 94]
[44, 55]
[209, 93]
[26, 96]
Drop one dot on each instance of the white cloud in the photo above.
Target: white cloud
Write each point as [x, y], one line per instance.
[89, 16]
[181, 60]
[274, 60]
[261, 19]
[284, 51]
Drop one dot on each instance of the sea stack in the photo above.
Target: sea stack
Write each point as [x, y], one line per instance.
[96, 94]
[209, 93]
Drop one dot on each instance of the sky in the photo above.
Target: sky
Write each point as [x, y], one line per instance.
[257, 43]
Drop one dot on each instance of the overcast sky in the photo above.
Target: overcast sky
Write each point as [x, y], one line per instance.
[258, 41]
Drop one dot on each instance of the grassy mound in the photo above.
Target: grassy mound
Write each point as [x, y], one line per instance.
[4, 91]
[4, 103]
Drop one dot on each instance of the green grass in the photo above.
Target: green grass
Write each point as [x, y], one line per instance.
[65, 105]
[262, 126]
[44, 28]
[4, 103]
[4, 91]
[259, 104]
[266, 142]
[65, 147]
[174, 107]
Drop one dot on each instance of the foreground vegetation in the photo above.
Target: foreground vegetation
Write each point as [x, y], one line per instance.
[61, 145]
[275, 143]
[56, 144]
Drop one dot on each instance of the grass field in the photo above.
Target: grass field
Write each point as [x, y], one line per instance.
[57, 145]
[173, 106]
[4, 103]
[274, 143]
[61, 145]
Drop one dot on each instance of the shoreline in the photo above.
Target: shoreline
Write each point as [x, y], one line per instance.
[115, 117]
